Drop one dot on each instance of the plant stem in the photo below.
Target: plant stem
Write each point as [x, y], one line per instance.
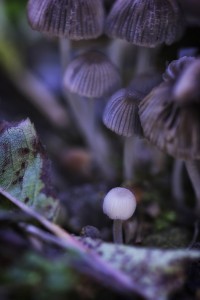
[194, 175]
[117, 231]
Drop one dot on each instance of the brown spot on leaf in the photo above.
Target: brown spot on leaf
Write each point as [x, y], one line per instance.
[5, 147]
[26, 200]
[20, 179]
[17, 173]
[6, 163]
[15, 181]
[24, 151]
[23, 165]
[34, 143]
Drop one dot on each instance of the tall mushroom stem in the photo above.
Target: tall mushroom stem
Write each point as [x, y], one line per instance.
[65, 52]
[194, 176]
[117, 231]
[130, 157]
[176, 183]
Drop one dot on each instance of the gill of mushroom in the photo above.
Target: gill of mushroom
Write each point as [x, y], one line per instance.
[147, 23]
[170, 116]
[90, 77]
[69, 19]
[119, 204]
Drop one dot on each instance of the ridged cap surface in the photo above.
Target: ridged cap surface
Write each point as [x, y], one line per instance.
[92, 75]
[119, 203]
[121, 113]
[73, 19]
[146, 23]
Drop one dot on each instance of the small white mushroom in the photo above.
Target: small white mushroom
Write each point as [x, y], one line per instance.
[119, 204]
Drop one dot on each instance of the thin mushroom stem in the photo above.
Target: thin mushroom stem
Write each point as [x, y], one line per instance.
[146, 58]
[117, 231]
[91, 112]
[65, 52]
[194, 176]
[129, 157]
[177, 183]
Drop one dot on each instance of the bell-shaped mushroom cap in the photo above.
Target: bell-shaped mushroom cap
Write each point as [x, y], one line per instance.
[92, 75]
[119, 203]
[146, 23]
[172, 128]
[187, 87]
[73, 19]
[121, 113]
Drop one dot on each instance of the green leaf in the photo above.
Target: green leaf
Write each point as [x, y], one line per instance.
[24, 168]
[157, 273]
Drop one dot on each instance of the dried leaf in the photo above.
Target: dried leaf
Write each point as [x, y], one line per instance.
[24, 168]
[151, 273]
[155, 272]
[89, 263]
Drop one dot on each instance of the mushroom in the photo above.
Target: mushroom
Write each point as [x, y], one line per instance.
[174, 125]
[71, 19]
[121, 116]
[119, 205]
[121, 113]
[146, 23]
[89, 76]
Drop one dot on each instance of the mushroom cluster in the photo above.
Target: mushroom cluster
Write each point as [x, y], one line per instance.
[170, 115]
[165, 111]
[88, 73]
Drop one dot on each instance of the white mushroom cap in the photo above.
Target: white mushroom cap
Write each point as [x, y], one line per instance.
[119, 203]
